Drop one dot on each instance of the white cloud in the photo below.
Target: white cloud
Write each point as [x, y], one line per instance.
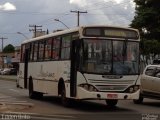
[85, 2]
[79, 2]
[112, 12]
[43, 12]
[118, 1]
[7, 7]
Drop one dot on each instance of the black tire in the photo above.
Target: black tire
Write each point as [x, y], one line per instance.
[17, 84]
[65, 101]
[111, 102]
[138, 101]
[33, 94]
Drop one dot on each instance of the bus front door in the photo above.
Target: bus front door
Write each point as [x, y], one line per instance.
[74, 63]
[26, 67]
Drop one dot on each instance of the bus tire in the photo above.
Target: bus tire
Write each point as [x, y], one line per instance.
[65, 101]
[33, 94]
[111, 102]
[17, 86]
[139, 100]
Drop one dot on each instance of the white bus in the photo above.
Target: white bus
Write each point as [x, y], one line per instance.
[88, 62]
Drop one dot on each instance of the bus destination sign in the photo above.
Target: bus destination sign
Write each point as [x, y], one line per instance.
[121, 33]
[111, 32]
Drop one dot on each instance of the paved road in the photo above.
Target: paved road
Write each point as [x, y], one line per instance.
[14, 101]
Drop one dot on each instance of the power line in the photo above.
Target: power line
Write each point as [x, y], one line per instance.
[35, 29]
[78, 13]
[31, 13]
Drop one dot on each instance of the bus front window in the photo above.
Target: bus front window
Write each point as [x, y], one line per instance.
[125, 57]
[109, 57]
[97, 56]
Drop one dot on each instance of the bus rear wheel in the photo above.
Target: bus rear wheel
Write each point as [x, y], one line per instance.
[33, 94]
[65, 101]
[111, 103]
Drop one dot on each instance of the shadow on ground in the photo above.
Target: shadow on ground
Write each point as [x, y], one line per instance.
[87, 106]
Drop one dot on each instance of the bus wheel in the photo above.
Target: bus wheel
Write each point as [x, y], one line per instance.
[17, 86]
[33, 94]
[111, 103]
[139, 100]
[65, 101]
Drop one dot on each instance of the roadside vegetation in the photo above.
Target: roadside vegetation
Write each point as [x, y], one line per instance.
[147, 21]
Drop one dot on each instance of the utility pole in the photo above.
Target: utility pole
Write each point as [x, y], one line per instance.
[78, 13]
[2, 38]
[35, 29]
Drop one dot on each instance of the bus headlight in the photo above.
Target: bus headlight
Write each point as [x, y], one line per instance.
[88, 87]
[91, 88]
[132, 89]
[85, 87]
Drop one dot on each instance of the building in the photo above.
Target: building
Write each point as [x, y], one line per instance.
[8, 60]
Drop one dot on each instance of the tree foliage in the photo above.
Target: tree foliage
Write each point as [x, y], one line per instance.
[147, 20]
[150, 47]
[9, 49]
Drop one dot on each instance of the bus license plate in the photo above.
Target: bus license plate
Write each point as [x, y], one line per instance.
[112, 96]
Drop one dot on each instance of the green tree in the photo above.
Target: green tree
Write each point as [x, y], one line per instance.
[147, 20]
[9, 49]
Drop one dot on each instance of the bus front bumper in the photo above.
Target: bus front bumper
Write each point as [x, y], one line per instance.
[84, 94]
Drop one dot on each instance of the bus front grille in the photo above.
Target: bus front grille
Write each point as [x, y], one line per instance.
[111, 81]
[111, 87]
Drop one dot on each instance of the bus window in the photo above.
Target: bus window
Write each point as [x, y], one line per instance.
[35, 55]
[32, 52]
[28, 46]
[48, 46]
[22, 53]
[65, 49]
[41, 50]
[56, 48]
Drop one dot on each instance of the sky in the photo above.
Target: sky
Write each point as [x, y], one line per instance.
[17, 15]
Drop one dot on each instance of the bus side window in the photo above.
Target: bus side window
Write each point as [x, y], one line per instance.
[22, 53]
[28, 46]
[31, 50]
[48, 47]
[65, 49]
[56, 48]
[35, 55]
[41, 50]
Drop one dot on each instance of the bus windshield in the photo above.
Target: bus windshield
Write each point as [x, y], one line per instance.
[112, 57]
